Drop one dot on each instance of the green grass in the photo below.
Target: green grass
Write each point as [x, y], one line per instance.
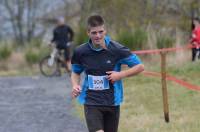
[142, 109]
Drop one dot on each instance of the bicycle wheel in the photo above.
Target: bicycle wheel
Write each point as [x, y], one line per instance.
[47, 69]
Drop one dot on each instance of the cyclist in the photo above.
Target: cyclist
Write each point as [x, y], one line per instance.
[62, 37]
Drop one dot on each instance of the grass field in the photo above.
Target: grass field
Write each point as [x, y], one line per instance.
[142, 109]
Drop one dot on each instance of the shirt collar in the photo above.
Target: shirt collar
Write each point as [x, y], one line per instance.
[107, 42]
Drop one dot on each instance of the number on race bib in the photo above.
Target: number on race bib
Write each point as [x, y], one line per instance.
[98, 82]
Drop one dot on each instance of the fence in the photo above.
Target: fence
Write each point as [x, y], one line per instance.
[163, 74]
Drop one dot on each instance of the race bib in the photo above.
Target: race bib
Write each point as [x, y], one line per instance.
[98, 82]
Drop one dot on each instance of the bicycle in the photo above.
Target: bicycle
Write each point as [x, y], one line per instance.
[52, 64]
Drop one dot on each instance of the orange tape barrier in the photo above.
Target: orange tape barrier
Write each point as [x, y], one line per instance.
[171, 78]
[155, 51]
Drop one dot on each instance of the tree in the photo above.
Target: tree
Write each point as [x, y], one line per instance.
[23, 15]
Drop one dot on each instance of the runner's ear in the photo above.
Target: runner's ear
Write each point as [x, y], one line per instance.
[88, 32]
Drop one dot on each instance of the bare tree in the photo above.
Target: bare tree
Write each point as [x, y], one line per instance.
[23, 16]
[15, 10]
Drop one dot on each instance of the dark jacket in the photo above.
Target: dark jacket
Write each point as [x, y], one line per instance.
[62, 35]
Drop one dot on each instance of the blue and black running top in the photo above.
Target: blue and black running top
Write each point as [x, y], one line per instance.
[96, 89]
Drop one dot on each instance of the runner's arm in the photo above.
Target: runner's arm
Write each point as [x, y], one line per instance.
[76, 88]
[115, 76]
[132, 71]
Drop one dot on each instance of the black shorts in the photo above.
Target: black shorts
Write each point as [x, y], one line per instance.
[102, 118]
[66, 49]
[66, 53]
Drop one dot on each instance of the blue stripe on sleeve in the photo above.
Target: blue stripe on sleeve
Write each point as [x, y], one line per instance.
[76, 68]
[131, 61]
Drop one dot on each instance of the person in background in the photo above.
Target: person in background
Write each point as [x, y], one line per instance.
[102, 91]
[62, 37]
[195, 38]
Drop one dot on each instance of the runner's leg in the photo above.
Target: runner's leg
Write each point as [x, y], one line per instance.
[111, 119]
[94, 118]
[199, 53]
[194, 54]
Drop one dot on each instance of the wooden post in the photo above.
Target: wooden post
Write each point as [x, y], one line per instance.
[164, 86]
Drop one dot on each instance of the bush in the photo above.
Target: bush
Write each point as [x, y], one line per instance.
[133, 40]
[44, 51]
[139, 39]
[32, 56]
[164, 42]
[35, 43]
[81, 36]
[5, 52]
[35, 51]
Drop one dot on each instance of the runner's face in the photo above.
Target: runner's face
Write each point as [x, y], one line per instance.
[97, 34]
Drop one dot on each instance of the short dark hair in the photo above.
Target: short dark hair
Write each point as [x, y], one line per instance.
[194, 19]
[94, 21]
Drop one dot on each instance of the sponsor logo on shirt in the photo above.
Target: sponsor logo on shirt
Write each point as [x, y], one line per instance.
[108, 61]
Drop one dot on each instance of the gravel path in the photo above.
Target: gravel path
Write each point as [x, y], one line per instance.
[37, 104]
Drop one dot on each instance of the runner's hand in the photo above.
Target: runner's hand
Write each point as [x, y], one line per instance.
[113, 76]
[76, 90]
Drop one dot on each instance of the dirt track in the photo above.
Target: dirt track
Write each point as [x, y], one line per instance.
[37, 104]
